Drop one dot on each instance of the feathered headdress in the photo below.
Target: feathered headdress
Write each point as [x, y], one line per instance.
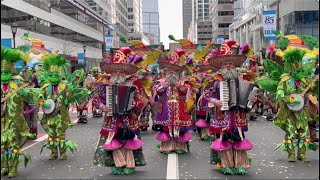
[56, 63]
[9, 57]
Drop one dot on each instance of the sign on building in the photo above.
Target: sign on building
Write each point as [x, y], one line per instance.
[220, 39]
[108, 39]
[80, 58]
[6, 42]
[269, 21]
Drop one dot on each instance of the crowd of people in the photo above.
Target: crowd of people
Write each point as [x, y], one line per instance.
[213, 91]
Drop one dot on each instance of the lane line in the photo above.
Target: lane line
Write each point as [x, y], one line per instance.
[44, 137]
[172, 166]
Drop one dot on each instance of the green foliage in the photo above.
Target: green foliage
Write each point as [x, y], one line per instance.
[313, 146]
[10, 55]
[123, 39]
[267, 84]
[226, 170]
[310, 42]
[308, 67]
[24, 48]
[273, 68]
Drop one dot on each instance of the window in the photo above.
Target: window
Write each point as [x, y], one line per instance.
[131, 30]
[225, 1]
[130, 17]
[130, 9]
[225, 13]
[206, 1]
[224, 25]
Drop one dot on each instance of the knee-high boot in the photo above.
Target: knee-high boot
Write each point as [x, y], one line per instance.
[54, 153]
[4, 168]
[63, 153]
[302, 154]
[13, 168]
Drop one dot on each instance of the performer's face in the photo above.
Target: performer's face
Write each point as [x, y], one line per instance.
[118, 78]
[172, 78]
[5, 76]
[228, 71]
[54, 78]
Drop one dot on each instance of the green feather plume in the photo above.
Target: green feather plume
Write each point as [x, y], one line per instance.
[10, 55]
[283, 43]
[54, 60]
[310, 42]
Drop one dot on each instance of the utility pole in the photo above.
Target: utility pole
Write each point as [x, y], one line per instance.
[278, 15]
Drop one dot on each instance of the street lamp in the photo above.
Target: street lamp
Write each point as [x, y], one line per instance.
[14, 29]
[84, 56]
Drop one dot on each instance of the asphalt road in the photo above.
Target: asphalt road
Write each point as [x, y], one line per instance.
[267, 164]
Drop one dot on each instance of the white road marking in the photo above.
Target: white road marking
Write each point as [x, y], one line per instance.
[172, 166]
[74, 121]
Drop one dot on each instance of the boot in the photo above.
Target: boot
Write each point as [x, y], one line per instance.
[4, 168]
[302, 154]
[54, 153]
[291, 154]
[63, 154]
[13, 169]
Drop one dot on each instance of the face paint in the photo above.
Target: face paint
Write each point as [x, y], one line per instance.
[5, 76]
[54, 78]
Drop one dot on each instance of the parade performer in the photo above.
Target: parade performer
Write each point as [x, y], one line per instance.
[172, 113]
[119, 146]
[230, 120]
[292, 85]
[14, 128]
[203, 111]
[54, 98]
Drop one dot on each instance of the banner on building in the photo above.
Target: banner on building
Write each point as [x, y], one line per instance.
[6, 42]
[269, 24]
[108, 40]
[220, 39]
[80, 58]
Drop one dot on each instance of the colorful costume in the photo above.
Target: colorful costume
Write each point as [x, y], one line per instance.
[14, 128]
[55, 97]
[120, 146]
[292, 85]
[229, 125]
[173, 115]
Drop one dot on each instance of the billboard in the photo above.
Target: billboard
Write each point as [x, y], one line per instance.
[108, 40]
[6, 42]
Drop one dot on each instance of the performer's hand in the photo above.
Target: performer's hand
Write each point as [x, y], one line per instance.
[254, 99]
[105, 109]
[217, 103]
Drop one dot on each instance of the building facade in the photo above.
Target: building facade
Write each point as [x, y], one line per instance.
[296, 17]
[221, 14]
[122, 19]
[204, 31]
[150, 20]
[65, 25]
[187, 16]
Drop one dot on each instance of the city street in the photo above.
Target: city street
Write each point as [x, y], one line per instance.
[266, 162]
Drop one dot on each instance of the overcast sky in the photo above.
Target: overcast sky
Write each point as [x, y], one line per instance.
[170, 20]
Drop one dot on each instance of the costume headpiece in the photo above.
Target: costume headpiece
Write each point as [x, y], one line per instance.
[120, 63]
[173, 62]
[55, 63]
[9, 57]
[228, 52]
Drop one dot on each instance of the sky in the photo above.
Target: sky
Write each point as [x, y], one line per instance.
[170, 20]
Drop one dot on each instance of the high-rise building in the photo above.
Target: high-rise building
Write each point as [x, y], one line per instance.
[135, 21]
[150, 20]
[221, 13]
[122, 19]
[187, 16]
[62, 25]
[200, 29]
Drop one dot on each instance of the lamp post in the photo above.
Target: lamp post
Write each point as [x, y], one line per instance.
[84, 56]
[14, 29]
